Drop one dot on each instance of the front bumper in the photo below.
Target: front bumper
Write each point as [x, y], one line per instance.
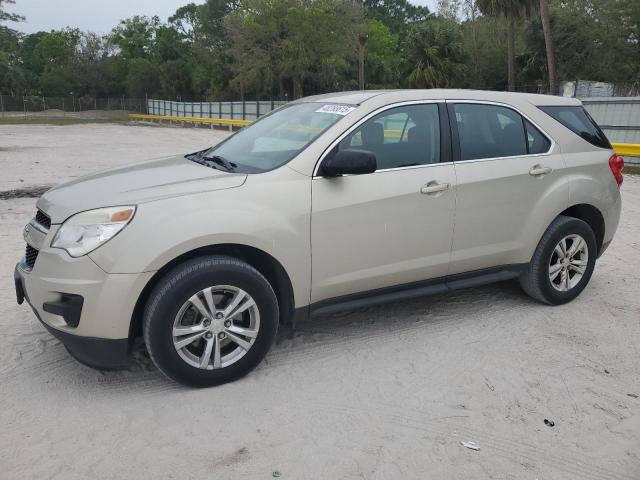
[100, 353]
[87, 309]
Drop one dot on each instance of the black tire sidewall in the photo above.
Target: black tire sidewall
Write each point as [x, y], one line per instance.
[177, 287]
[567, 227]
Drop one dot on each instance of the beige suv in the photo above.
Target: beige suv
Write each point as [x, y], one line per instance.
[331, 202]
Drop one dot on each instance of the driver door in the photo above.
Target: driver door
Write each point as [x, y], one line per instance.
[393, 226]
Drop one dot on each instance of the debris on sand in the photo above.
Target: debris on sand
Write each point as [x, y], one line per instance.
[470, 445]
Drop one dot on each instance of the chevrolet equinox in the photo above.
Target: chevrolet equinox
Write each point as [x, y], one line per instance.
[331, 202]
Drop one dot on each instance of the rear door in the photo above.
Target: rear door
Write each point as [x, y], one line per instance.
[505, 167]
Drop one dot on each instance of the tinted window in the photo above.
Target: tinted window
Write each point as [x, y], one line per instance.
[536, 141]
[399, 137]
[489, 131]
[580, 122]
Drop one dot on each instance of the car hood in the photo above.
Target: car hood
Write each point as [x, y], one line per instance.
[139, 183]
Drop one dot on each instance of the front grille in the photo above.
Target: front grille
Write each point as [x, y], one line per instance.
[30, 256]
[43, 219]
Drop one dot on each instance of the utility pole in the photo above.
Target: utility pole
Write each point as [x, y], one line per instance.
[362, 43]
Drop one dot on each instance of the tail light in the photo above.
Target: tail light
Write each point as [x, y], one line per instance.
[616, 164]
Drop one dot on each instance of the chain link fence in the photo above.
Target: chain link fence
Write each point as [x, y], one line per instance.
[72, 106]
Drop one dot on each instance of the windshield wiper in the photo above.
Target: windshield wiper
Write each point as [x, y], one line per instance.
[215, 161]
[222, 162]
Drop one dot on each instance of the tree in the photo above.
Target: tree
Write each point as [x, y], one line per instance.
[511, 10]
[6, 16]
[383, 59]
[398, 15]
[449, 8]
[436, 53]
[292, 42]
[135, 36]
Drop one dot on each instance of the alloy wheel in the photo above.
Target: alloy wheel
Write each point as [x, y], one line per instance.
[568, 262]
[216, 327]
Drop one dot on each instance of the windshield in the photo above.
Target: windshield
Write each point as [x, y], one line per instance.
[278, 137]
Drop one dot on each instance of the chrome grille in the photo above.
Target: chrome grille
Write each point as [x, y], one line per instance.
[43, 219]
[30, 256]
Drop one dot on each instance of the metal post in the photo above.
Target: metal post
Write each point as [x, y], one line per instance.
[24, 106]
[244, 116]
[257, 109]
[2, 105]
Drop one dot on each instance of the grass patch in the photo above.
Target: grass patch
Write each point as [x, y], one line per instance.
[631, 170]
[57, 120]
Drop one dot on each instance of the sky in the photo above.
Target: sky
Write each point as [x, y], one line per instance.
[99, 16]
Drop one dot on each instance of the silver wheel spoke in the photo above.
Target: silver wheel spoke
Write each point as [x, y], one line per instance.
[206, 355]
[216, 354]
[554, 270]
[559, 251]
[239, 341]
[578, 269]
[577, 245]
[188, 340]
[239, 304]
[566, 279]
[245, 332]
[195, 301]
[186, 330]
[563, 246]
[208, 298]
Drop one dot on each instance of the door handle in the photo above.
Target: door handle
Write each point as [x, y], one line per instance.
[434, 187]
[539, 170]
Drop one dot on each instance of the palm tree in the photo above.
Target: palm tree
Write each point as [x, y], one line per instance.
[511, 10]
[436, 52]
[548, 42]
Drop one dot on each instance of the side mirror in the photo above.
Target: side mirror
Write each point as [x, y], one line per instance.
[349, 162]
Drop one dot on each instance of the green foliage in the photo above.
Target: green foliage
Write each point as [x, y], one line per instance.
[231, 49]
[436, 53]
[292, 42]
[7, 16]
[383, 60]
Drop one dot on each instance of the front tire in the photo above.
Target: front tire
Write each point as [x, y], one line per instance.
[210, 320]
[562, 263]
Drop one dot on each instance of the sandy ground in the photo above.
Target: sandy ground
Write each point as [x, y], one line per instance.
[48, 154]
[384, 393]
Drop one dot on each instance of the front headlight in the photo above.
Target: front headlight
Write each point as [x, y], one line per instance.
[86, 231]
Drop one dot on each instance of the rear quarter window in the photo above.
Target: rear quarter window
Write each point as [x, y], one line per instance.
[580, 122]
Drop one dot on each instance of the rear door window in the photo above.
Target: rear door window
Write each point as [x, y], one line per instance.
[580, 122]
[489, 131]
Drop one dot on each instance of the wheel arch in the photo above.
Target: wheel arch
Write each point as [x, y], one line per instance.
[265, 263]
[592, 217]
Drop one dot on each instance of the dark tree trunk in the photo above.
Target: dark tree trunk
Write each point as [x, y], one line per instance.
[548, 42]
[511, 52]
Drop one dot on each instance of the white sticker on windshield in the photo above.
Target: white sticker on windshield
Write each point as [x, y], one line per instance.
[336, 109]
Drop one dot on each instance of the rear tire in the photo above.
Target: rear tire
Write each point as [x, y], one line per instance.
[210, 320]
[562, 263]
